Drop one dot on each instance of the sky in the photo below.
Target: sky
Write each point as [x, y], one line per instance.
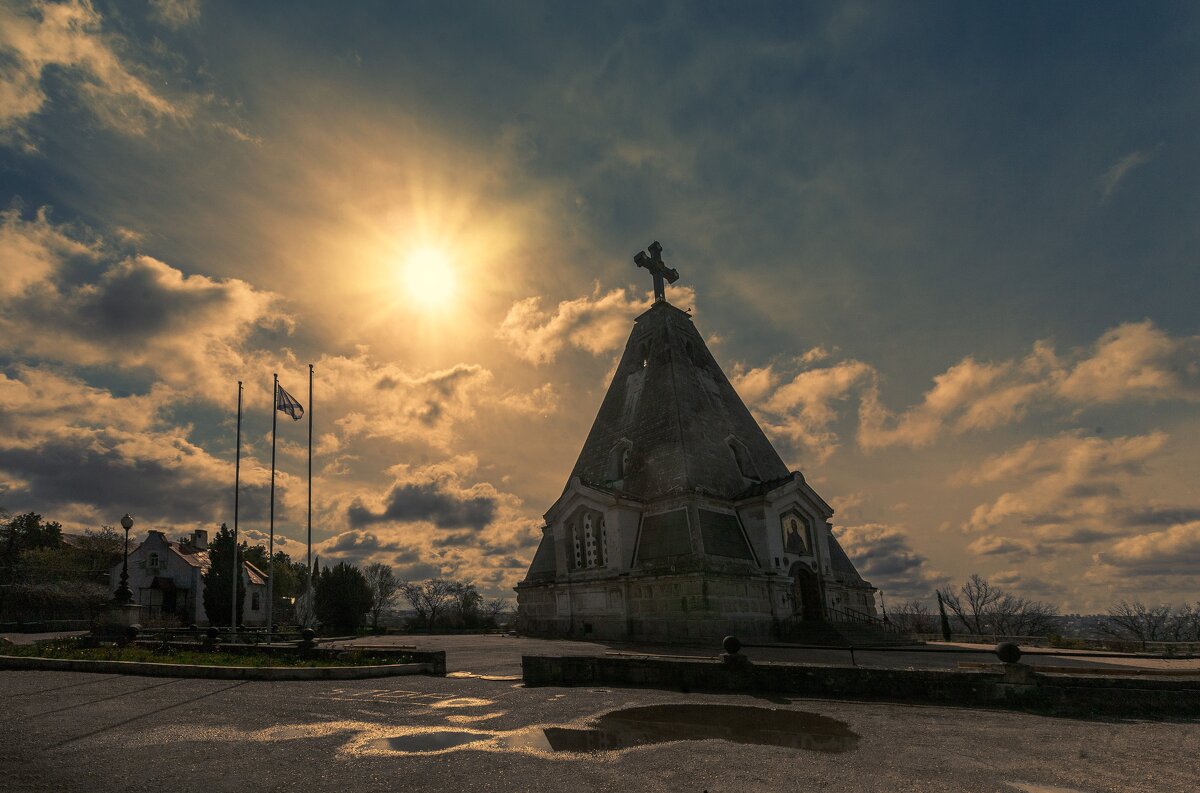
[946, 252]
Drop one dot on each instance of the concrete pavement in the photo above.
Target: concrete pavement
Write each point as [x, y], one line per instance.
[81, 732]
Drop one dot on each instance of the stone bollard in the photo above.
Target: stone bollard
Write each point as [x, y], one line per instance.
[210, 638]
[130, 634]
[732, 656]
[1015, 673]
[308, 639]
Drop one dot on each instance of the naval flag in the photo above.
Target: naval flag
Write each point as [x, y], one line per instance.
[286, 403]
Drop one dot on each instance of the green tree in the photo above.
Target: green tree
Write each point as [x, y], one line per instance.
[217, 583]
[101, 550]
[19, 534]
[467, 602]
[343, 598]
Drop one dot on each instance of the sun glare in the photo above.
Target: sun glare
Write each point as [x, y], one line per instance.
[429, 278]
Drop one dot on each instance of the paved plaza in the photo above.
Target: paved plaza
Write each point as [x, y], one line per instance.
[91, 732]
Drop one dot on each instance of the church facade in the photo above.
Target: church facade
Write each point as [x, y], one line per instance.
[679, 520]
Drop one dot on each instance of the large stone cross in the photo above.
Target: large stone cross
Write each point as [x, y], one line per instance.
[658, 269]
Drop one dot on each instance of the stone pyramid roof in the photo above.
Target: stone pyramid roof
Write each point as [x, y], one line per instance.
[671, 422]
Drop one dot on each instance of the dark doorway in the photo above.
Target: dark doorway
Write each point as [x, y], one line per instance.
[806, 593]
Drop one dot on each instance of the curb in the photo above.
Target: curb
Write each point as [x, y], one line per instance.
[13, 662]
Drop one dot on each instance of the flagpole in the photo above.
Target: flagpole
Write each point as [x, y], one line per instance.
[310, 430]
[237, 476]
[271, 541]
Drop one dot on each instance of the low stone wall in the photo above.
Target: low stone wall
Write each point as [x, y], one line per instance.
[1015, 687]
[215, 672]
[434, 659]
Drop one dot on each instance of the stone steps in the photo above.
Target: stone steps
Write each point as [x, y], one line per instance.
[841, 634]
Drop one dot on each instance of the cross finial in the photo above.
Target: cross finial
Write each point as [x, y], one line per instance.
[658, 269]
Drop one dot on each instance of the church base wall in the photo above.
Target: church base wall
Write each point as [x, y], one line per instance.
[685, 608]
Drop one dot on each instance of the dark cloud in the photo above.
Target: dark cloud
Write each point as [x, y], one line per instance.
[1159, 516]
[1082, 535]
[428, 501]
[882, 554]
[358, 545]
[96, 469]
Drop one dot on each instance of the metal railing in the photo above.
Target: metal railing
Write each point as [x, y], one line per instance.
[855, 617]
[1000, 651]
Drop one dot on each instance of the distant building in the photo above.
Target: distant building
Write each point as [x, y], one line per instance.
[680, 521]
[167, 577]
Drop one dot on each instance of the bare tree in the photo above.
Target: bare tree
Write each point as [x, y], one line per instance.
[1186, 623]
[912, 617]
[986, 609]
[972, 603]
[429, 599]
[493, 611]
[384, 588]
[1137, 621]
[466, 602]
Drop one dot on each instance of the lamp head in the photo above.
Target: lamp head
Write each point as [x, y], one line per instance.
[127, 522]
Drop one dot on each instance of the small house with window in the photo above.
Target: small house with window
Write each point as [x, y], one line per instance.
[167, 577]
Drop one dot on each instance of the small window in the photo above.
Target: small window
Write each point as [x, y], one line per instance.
[255, 601]
[644, 352]
[153, 560]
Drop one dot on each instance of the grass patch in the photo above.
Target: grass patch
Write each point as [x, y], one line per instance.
[74, 651]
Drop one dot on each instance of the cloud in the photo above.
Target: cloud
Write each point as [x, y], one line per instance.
[968, 396]
[175, 14]
[81, 303]
[801, 407]
[158, 474]
[34, 251]
[381, 400]
[597, 323]
[1058, 491]
[67, 38]
[999, 546]
[1171, 551]
[1133, 362]
[431, 502]
[1116, 173]
[882, 554]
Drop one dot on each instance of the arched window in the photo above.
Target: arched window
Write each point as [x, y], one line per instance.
[153, 561]
[620, 458]
[589, 539]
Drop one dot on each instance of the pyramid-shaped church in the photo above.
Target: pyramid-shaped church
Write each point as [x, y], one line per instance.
[679, 520]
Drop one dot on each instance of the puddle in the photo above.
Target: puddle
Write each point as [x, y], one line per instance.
[643, 726]
[432, 741]
[1032, 787]
[473, 676]
[472, 719]
[462, 702]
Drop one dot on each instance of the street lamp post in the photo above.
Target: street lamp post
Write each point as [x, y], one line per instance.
[124, 594]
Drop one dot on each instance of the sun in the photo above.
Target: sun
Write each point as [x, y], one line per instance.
[429, 277]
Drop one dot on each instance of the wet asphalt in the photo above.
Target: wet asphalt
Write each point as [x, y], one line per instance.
[89, 732]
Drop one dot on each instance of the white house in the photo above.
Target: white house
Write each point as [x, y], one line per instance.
[167, 577]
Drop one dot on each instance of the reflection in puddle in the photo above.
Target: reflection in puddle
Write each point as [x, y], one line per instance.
[432, 741]
[630, 727]
[643, 726]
